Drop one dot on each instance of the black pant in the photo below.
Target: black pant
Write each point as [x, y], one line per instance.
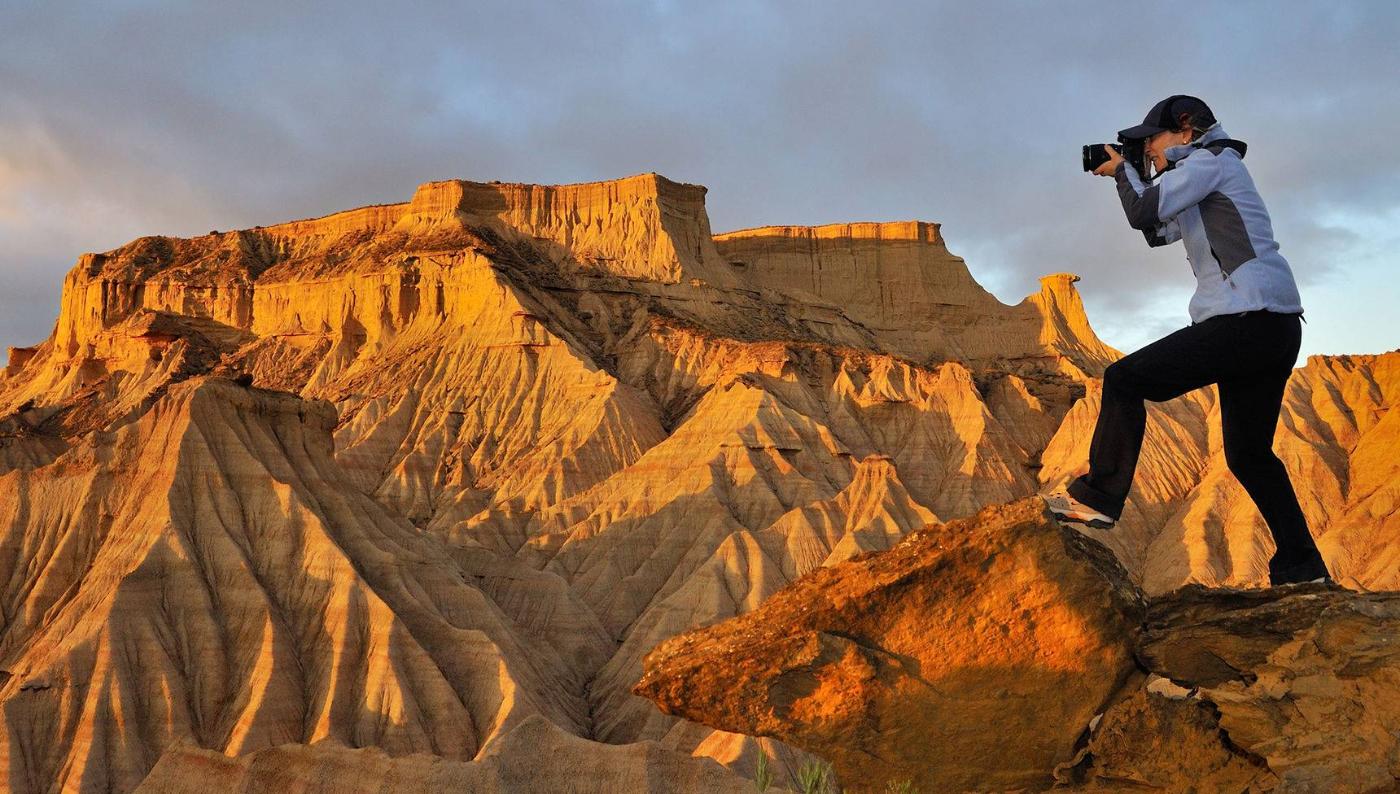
[1250, 356]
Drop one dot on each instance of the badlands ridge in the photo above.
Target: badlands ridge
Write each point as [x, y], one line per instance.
[404, 496]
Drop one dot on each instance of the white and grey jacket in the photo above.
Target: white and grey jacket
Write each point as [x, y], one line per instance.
[1207, 199]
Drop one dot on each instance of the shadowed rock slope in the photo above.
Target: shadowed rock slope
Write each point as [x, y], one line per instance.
[206, 574]
[1004, 651]
[575, 414]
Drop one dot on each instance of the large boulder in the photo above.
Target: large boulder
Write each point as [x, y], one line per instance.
[971, 655]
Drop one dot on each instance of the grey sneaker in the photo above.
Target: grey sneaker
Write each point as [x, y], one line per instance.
[1309, 571]
[1068, 509]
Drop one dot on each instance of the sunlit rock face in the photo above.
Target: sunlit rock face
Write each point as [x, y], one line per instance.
[900, 280]
[928, 662]
[1006, 652]
[571, 422]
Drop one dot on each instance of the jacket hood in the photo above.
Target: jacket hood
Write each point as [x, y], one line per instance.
[1215, 135]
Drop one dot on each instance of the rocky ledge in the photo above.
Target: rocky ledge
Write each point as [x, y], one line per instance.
[1005, 652]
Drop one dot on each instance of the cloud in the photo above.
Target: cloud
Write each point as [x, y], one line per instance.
[130, 118]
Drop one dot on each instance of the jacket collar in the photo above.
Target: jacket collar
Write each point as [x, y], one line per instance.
[1215, 135]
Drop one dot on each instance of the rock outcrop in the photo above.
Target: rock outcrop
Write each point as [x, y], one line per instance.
[970, 655]
[1304, 682]
[1004, 651]
[899, 280]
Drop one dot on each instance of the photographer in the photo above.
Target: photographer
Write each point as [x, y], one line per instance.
[1244, 335]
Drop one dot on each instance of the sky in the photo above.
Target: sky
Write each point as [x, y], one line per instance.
[125, 118]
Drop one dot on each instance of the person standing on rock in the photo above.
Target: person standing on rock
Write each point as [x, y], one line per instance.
[1244, 335]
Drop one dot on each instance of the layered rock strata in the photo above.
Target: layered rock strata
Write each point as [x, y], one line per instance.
[900, 279]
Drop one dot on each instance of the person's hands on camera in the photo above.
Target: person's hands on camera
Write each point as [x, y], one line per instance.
[1114, 158]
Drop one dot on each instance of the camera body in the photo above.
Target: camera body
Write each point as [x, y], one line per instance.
[1095, 156]
[1134, 150]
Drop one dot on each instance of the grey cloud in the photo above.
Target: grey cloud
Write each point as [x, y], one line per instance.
[124, 119]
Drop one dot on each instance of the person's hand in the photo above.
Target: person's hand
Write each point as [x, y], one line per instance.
[1114, 158]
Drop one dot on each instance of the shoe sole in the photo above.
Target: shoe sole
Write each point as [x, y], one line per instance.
[1287, 573]
[1319, 580]
[1070, 518]
[1096, 523]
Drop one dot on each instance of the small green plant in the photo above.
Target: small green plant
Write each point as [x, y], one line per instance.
[905, 786]
[762, 775]
[815, 778]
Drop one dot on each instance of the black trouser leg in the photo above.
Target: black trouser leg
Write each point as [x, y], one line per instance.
[1249, 410]
[1182, 361]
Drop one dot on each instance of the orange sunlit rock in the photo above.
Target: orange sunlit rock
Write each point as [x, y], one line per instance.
[925, 661]
[1005, 652]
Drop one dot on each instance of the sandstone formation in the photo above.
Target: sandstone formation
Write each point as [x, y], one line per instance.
[206, 573]
[1001, 631]
[466, 459]
[1004, 651]
[1307, 683]
[900, 279]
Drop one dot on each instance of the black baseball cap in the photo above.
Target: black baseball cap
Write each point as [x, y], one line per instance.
[1163, 116]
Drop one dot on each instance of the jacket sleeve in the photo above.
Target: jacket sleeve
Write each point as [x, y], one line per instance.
[1139, 203]
[1165, 234]
[1149, 207]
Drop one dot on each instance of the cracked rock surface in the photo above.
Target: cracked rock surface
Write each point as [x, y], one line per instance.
[1004, 651]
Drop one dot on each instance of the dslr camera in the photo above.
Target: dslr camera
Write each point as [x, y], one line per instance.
[1133, 150]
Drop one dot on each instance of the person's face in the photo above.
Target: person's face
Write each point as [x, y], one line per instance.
[1158, 144]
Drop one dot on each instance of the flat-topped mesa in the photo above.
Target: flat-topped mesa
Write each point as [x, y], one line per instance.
[900, 280]
[882, 274]
[639, 227]
[897, 279]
